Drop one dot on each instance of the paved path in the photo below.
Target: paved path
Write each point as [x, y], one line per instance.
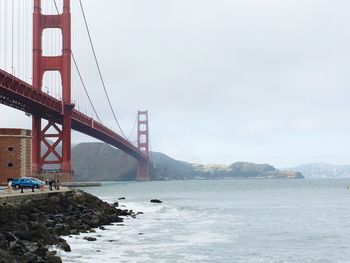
[27, 192]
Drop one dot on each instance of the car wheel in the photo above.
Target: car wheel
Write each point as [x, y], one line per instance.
[17, 186]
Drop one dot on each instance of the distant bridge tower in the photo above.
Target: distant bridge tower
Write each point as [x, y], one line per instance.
[143, 146]
[53, 132]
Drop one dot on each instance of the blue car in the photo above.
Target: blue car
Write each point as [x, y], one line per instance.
[26, 182]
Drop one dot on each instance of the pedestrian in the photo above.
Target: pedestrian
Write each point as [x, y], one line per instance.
[9, 189]
[50, 184]
[47, 181]
[58, 184]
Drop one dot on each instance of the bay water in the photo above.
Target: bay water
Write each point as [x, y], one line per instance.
[223, 221]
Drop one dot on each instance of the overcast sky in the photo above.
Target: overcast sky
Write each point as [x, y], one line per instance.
[227, 80]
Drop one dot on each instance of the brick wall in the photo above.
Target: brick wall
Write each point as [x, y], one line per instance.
[15, 154]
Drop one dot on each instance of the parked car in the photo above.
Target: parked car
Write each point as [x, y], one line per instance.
[36, 179]
[26, 182]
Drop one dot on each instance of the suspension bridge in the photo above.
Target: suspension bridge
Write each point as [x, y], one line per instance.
[36, 47]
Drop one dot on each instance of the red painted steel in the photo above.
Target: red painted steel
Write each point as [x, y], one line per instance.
[22, 96]
[30, 99]
[62, 64]
[143, 145]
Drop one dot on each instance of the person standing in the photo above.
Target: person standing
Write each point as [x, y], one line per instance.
[50, 184]
[58, 184]
[9, 189]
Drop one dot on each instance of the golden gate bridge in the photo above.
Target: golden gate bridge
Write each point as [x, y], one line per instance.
[48, 82]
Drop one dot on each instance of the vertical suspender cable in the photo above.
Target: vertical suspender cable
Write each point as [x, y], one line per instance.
[12, 36]
[80, 76]
[99, 69]
[6, 35]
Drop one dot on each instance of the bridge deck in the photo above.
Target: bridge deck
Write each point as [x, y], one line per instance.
[22, 96]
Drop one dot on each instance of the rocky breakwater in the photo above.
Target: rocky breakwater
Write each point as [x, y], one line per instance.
[29, 228]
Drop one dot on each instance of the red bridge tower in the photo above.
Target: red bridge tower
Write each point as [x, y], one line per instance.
[143, 146]
[58, 131]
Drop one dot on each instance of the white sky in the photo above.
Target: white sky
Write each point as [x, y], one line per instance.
[227, 80]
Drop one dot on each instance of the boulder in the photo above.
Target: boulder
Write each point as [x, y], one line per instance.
[90, 238]
[156, 201]
[54, 259]
[31, 246]
[64, 245]
[3, 241]
[6, 257]
[18, 248]
[28, 229]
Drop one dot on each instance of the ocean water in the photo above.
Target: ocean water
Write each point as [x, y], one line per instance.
[223, 221]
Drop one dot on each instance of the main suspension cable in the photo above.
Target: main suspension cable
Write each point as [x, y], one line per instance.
[133, 129]
[82, 82]
[99, 69]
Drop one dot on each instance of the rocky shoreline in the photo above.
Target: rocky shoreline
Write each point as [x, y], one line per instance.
[28, 228]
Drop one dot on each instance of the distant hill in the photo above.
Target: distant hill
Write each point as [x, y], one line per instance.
[170, 169]
[101, 162]
[323, 170]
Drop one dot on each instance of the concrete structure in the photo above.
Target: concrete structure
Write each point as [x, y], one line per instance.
[15, 154]
[18, 197]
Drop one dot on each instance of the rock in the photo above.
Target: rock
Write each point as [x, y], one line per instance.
[22, 227]
[156, 201]
[51, 253]
[18, 248]
[74, 232]
[25, 235]
[9, 236]
[41, 251]
[3, 241]
[121, 198]
[115, 204]
[139, 213]
[31, 246]
[61, 229]
[31, 258]
[64, 245]
[78, 196]
[90, 238]
[23, 218]
[28, 229]
[95, 220]
[54, 259]
[50, 223]
[6, 257]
